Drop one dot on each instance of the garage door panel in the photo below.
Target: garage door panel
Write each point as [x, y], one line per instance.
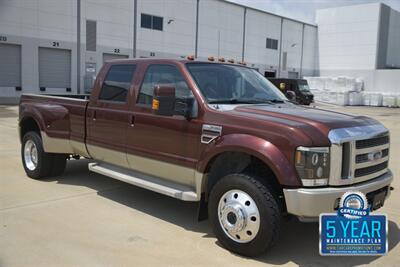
[54, 68]
[10, 65]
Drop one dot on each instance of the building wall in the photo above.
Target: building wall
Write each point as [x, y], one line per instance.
[179, 28]
[260, 26]
[220, 30]
[348, 37]
[361, 41]
[387, 81]
[292, 33]
[33, 24]
[224, 30]
[114, 35]
[393, 54]
[310, 51]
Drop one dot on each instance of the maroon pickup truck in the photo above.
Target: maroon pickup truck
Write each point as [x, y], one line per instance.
[216, 133]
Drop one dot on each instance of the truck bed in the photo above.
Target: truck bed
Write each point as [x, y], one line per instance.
[61, 119]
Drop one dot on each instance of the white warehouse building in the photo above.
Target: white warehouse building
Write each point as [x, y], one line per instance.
[361, 41]
[58, 46]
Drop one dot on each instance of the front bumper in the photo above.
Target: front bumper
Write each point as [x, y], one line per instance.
[309, 203]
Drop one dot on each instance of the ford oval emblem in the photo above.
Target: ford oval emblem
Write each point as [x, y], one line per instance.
[375, 155]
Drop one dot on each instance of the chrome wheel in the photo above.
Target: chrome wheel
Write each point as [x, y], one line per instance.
[30, 155]
[239, 216]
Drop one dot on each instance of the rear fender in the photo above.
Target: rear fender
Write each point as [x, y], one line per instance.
[53, 122]
[51, 119]
[29, 112]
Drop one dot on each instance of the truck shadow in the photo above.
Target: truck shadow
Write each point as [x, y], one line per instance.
[298, 242]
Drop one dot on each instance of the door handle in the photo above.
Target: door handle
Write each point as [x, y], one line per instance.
[94, 116]
[132, 120]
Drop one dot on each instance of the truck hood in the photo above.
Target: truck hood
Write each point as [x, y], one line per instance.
[314, 122]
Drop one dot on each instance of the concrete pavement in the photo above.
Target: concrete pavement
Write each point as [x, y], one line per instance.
[85, 219]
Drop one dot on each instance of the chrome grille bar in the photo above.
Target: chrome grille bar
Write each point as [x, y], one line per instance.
[358, 154]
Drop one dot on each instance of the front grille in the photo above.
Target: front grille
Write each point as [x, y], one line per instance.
[377, 141]
[371, 157]
[364, 157]
[370, 170]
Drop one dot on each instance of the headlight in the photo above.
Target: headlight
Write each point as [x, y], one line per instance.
[312, 165]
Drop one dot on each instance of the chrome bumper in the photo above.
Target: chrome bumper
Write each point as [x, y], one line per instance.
[309, 203]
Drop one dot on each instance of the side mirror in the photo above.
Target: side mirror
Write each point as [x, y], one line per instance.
[291, 95]
[164, 100]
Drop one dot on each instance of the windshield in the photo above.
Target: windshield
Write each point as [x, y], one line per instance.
[230, 84]
[304, 87]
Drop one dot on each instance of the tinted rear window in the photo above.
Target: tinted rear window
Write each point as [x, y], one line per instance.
[117, 83]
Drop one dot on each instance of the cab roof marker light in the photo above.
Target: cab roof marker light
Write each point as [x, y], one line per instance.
[211, 58]
[190, 57]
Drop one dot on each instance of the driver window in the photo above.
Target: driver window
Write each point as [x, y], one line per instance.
[162, 74]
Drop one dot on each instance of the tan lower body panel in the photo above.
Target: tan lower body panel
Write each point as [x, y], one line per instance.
[79, 148]
[56, 145]
[108, 155]
[64, 146]
[167, 171]
[152, 183]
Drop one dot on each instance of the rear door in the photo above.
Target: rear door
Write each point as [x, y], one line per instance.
[108, 116]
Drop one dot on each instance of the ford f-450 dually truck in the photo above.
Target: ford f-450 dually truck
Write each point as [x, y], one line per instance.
[217, 133]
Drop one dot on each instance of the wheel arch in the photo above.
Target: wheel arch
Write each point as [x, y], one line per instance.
[27, 124]
[244, 153]
[255, 147]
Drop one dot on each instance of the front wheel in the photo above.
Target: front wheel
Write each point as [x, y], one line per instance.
[244, 214]
[37, 163]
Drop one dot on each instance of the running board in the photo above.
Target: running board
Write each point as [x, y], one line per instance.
[155, 184]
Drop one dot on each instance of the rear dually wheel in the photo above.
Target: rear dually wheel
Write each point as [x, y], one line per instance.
[37, 163]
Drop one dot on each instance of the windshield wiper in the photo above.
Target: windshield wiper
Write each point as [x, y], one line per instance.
[244, 101]
[275, 100]
[233, 101]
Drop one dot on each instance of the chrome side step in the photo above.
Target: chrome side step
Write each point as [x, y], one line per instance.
[155, 184]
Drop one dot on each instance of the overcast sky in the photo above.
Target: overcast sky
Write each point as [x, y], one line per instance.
[304, 10]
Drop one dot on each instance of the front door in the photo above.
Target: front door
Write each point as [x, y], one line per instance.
[108, 117]
[165, 147]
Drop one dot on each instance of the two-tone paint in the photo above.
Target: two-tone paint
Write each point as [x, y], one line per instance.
[130, 136]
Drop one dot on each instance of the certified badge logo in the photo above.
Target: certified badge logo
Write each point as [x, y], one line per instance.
[353, 230]
[353, 205]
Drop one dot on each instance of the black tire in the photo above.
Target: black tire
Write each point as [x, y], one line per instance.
[48, 164]
[269, 212]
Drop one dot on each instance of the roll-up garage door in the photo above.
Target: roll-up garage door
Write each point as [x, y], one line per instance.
[54, 68]
[10, 65]
[107, 57]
